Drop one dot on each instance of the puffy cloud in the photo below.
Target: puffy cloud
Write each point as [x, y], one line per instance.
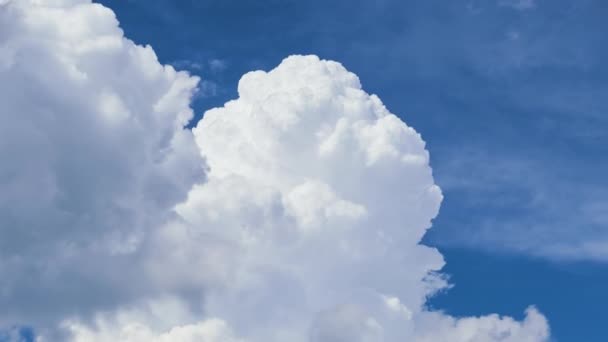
[324, 196]
[319, 197]
[209, 331]
[486, 328]
[304, 226]
[152, 321]
[93, 154]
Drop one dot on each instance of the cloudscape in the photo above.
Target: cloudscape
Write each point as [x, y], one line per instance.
[293, 212]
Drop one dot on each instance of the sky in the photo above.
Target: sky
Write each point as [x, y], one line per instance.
[507, 96]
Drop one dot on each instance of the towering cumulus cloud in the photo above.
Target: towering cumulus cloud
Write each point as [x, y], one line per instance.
[293, 213]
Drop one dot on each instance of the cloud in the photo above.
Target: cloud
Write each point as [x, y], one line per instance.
[94, 154]
[206, 87]
[209, 331]
[489, 328]
[549, 213]
[285, 221]
[163, 318]
[213, 65]
[292, 213]
[217, 65]
[520, 5]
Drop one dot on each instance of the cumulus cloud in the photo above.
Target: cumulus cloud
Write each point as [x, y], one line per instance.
[292, 213]
[487, 328]
[209, 331]
[156, 321]
[93, 154]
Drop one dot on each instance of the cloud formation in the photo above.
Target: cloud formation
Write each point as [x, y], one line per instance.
[93, 155]
[293, 213]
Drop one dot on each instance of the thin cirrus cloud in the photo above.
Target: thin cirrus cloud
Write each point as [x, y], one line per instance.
[304, 196]
[550, 213]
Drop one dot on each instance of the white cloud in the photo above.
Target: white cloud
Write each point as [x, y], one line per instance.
[93, 155]
[208, 331]
[487, 328]
[306, 226]
[153, 321]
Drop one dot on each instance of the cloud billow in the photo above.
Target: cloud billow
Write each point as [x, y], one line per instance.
[292, 213]
[93, 154]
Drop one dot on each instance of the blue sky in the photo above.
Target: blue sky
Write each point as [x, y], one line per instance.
[509, 96]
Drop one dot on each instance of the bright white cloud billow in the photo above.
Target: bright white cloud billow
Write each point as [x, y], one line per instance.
[303, 224]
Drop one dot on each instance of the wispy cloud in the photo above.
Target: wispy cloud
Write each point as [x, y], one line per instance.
[188, 64]
[207, 88]
[523, 205]
[217, 65]
[213, 65]
[206, 70]
[521, 5]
